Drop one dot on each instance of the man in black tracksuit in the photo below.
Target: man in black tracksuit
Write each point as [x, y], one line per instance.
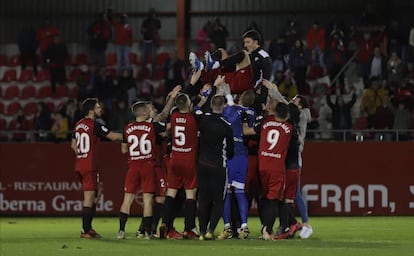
[215, 147]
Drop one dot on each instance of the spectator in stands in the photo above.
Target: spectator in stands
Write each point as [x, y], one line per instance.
[288, 87]
[278, 51]
[335, 53]
[395, 68]
[253, 26]
[125, 82]
[43, 122]
[378, 64]
[56, 56]
[151, 40]
[410, 55]
[83, 81]
[293, 32]
[366, 46]
[403, 119]
[123, 41]
[104, 89]
[19, 125]
[383, 120]
[298, 64]
[203, 37]
[27, 43]
[175, 73]
[60, 127]
[372, 98]
[315, 40]
[44, 35]
[120, 117]
[99, 35]
[219, 34]
[341, 112]
[396, 38]
[69, 111]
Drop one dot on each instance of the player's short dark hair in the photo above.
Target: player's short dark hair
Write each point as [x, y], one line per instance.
[253, 34]
[282, 110]
[182, 101]
[218, 101]
[303, 102]
[248, 98]
[294, 113]
[88, 105]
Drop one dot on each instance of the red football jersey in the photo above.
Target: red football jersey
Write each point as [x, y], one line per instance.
[86, 133]
[274, 142]
[183, 136]
[141, 140]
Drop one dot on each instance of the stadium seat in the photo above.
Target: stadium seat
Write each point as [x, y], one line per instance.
[3, 124]
[51, 106]
[26, 75]
[111, 59]
[30, 108]
[14, 61]
[3, 127]
[29, 91]
[68, 60]
[3, 60]
[44, 92]
[162, 58]
[12, 108]
[1, 107]
[133, 58]
[315, 72]
[43, 75]
[74, 74]
[81, 59]
[160, 90]
[9, 75]
[74, 92]
[112, 72]
[159, 75]
[11, 92]
[62, 91]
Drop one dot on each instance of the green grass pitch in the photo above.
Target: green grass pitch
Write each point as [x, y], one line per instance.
[334, 236]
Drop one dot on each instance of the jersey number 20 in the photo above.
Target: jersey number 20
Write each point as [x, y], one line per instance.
[83, 142]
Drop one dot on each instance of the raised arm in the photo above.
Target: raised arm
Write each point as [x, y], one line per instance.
[274, 92]
[170, 102]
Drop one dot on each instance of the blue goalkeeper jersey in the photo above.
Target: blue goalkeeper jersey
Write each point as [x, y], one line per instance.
[233, 115]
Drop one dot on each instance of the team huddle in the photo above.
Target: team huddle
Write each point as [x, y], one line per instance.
[227, 138]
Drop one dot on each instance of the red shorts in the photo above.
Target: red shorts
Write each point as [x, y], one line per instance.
[240, 80]
[252, 178]
[182, 173]
[160, 181]
[143, 175]
[89, 179]
[291, 183]
[273, 183]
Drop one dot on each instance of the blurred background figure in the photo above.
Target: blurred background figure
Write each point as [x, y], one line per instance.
[123, 41]
[27, 43]
[151, 41]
